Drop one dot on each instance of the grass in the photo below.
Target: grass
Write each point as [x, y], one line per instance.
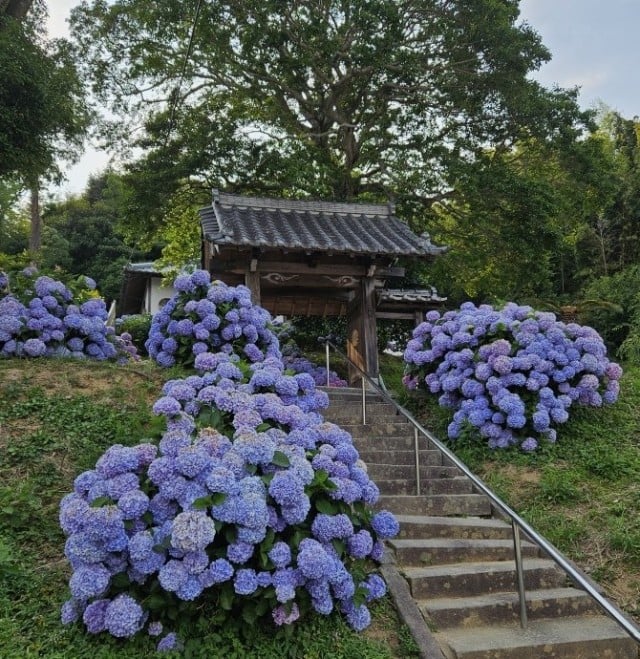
[56, 419]
[582, 494]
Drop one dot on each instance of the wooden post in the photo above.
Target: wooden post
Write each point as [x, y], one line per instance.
[369, 334]
[362, 338]
[252, 282]
[354, 343]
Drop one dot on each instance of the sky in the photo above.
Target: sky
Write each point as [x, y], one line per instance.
[594, 45]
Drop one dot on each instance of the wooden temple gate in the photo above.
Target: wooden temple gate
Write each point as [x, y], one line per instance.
[309, 258]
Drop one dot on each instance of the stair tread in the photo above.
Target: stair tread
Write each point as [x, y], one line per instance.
[545, 631]
[487, 567]
[419, 497]
[401, 543]
[455, 479]
[488, 522]
[502, 597]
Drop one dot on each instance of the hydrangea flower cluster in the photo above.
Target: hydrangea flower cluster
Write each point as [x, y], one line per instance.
[209, 316]
[250, 502]
[512, 373]
[41, 316]
[295, 362]
[299, 364]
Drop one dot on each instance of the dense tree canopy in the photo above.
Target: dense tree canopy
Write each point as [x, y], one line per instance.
[42, 109]
[336, 99]
[83, 235]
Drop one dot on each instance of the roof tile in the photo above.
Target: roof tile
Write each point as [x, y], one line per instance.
[311, 226]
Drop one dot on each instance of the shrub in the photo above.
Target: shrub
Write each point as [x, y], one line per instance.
[300, 364]
[618, 318]
[309, 328]
[41, 316]
[138, 327]
[295, 362]
[205, 315]
[251, 507]
[511, 374]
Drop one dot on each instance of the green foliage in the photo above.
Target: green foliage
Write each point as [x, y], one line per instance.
[138, 326]
[14, 225]
[619, 325]
[309, 328]
[339, 99]
[84, 235]
[180, 232]
[42, 110]
[559, 485]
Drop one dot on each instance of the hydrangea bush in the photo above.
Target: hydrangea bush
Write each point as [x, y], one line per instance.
[209, 316]
[512, 373]
[251, 507]
[300, 364]
[295, 362]
[41, 316]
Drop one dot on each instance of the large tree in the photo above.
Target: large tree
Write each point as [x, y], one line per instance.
[331, 98]
[43, 115]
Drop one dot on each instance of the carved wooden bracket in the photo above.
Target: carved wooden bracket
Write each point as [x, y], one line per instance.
[342, 282]
[277, 278]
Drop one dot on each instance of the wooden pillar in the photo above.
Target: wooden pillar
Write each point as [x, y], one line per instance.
[362, 339]
[369, 333]
[418, 317]
[252, 282]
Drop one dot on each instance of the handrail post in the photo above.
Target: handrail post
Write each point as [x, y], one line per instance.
[520, 574]
[326, 345]
[416, 448]
[364, 404]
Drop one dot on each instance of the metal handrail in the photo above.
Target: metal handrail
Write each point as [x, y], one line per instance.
[517, 522]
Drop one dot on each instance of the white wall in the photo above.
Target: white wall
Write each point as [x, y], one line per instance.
[155, 293]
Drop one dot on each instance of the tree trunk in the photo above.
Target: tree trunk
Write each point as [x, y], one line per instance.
[35, 238]
[603, 252]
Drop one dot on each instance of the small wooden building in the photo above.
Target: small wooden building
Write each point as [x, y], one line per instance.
[315, 258]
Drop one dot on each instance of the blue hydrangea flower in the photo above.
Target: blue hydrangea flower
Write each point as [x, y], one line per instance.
[94, 616]
[123, 616]
[192, 531]
[221, 570]
[385, 524]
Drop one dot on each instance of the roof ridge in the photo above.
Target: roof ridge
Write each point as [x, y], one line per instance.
[340, 208]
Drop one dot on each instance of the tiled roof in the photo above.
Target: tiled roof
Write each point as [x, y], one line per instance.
[310, 226]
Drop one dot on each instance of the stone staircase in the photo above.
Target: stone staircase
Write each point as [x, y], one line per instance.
[457, 556]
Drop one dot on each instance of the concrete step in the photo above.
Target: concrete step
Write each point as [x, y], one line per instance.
[417, 526]
[480, 578]
[337, 394]
[400, 442]
[459, 485]
[426, 457]
[500, 608]
[581, 637]
[436, 504]
[439, 551]
[379, 428]
[408, 472]
[347, 410]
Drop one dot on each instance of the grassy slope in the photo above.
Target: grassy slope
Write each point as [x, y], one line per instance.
[56, 419]
[582, 494]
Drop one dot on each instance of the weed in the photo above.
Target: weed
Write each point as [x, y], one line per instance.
[560, 485]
